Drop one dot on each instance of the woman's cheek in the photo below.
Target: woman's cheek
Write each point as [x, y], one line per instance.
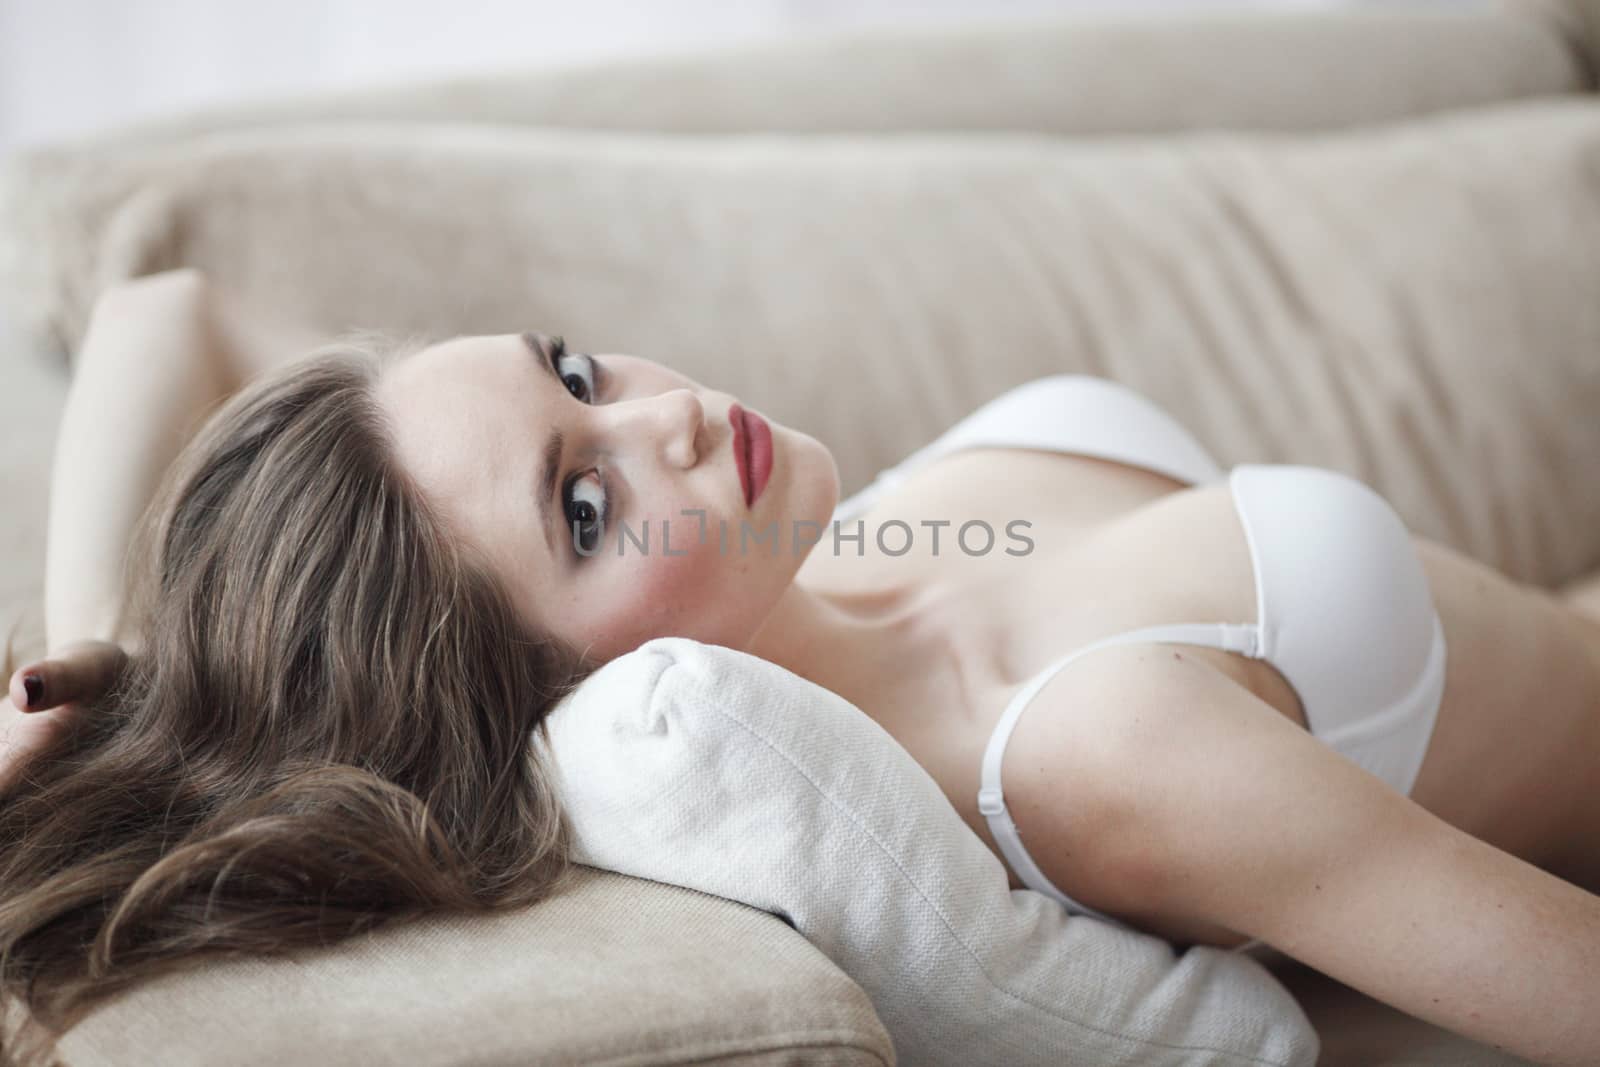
[662, 595]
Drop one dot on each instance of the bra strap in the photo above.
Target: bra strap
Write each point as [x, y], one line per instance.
[1231, 637]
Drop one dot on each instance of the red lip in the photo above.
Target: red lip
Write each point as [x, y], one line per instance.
[752, 451]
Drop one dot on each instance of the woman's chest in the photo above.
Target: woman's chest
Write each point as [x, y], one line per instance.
[1083, 548]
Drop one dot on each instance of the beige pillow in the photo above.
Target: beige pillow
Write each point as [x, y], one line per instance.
[1417, 305]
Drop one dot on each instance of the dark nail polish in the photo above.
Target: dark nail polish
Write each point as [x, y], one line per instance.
[33, 685]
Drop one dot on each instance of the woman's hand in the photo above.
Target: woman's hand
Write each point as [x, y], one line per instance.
[46, 698]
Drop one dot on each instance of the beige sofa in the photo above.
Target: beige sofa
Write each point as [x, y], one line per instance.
[1368, 240]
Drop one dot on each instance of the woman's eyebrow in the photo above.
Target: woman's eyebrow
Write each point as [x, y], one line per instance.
[550, 465]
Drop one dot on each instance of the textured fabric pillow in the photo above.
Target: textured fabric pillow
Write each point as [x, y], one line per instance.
[712, 769]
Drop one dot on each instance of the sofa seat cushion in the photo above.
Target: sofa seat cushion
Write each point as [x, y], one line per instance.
[615, 970]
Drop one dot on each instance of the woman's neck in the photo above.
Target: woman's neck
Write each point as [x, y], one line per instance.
[860, 645]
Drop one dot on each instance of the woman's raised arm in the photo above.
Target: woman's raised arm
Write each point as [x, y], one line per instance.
[148, 371]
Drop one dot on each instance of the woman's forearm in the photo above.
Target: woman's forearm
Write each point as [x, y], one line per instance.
[146, 375]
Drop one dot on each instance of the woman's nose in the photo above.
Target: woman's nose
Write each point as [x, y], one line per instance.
[670, 421]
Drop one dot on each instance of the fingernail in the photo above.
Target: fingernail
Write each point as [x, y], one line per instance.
[33, 686]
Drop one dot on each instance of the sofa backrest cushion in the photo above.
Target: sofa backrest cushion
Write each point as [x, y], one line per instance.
[1417, 305]
[1070, 73]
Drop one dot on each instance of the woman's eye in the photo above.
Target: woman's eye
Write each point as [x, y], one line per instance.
[584, 371]
[584, 503]
[583, 500]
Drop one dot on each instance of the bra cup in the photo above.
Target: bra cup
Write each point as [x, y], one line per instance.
[1077, 414]
[1348, 612]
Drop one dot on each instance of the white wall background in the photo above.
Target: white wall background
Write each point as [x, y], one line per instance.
[75, 66]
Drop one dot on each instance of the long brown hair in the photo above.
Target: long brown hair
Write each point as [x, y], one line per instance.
[325, 725]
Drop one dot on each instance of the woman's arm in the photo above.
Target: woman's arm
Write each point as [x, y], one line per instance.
[161, 351]
[1233, 815]
[146, 373]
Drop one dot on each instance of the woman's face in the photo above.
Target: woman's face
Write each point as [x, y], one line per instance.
[630, 441]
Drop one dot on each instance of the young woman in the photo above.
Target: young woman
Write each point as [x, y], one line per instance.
[1255, 709]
